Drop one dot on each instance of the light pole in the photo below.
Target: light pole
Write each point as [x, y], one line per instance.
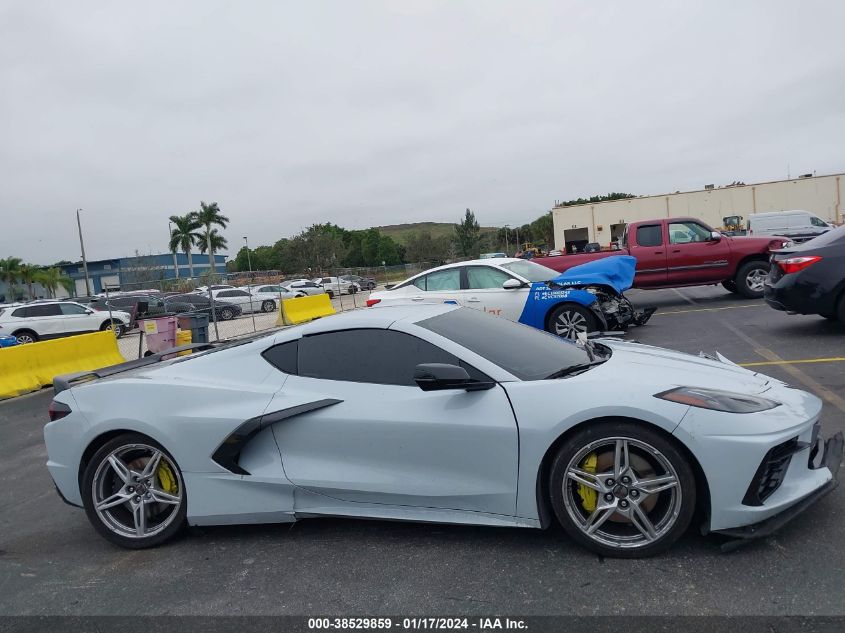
[249, 285]
[507, 228]
[170, 237]
[84, 261]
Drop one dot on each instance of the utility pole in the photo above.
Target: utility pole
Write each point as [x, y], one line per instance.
[507, 228]
[170, 237]
[249, 285]
[84, 261]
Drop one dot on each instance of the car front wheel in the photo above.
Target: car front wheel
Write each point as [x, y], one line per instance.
[227, 314]
[133, 492]
[621, 489]
[268, 306]
[751, 278]
[115, 327]
[569, 320]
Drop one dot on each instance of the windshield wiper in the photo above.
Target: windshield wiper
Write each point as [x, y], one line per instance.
[573, 369]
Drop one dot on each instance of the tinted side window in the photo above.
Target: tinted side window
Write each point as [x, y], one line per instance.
[283, 356]
[50, 309]
[72, 308]
[483, 277]
[449, 279]
[21, 313]
[650, 235]
[382, 357]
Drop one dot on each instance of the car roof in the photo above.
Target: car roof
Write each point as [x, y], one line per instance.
[377, 317]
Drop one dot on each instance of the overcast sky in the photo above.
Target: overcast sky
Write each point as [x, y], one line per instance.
[368, 113]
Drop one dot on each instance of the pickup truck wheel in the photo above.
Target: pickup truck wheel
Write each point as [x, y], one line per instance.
[730, 285]
[750, 279]
[569, 320]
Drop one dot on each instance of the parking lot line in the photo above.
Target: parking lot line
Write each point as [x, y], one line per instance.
[834, 359]
[747, 305]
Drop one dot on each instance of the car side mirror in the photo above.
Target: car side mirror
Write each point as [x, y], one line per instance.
[440, 376]
[512, 284]
[89, 311]
[715, 236]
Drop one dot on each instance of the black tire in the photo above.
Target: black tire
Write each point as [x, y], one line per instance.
[97, 464]
[28, 335]
[227, 314]
[748, 278]
[351, 290]
[118, 328]
[268, 306]
[371, 286]
[730, 286]
[567, 319]
[840, 309]
[668, 511]
[330, 293]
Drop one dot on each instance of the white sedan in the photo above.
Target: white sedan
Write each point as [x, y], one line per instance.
[249, 301]
[337, 286]
[304, 286]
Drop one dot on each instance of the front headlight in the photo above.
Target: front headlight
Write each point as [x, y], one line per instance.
[717, 400]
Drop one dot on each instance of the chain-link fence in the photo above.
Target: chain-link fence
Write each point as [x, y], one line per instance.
[237, 304]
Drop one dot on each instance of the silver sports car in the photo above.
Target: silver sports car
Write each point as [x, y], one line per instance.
[443, 414]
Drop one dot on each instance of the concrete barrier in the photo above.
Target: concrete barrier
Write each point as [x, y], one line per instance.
[302, 309]
[26, 368]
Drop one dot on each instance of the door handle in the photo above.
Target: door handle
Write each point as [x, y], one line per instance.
[658, 252]
[416, 298]
[678, 250]
[474, 300]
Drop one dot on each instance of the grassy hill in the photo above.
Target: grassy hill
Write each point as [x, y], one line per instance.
[401, 232]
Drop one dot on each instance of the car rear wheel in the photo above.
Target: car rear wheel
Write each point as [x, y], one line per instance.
[26, 336]
[133, 492]
[268, 306]
[569, 320]
[115, 327]
[621, 489]
[750, 279]
[227, 314]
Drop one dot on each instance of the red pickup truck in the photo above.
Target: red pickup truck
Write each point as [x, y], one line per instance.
[674, 252]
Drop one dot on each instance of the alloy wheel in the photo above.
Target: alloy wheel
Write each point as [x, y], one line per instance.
[137, 491]
[570, 323]
[756, 278]
[622, 493]
[24, 338]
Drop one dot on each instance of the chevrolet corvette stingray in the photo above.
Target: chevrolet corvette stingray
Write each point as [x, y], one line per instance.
[443, 414]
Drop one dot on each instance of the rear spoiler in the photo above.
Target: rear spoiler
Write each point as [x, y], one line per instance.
[61, 383]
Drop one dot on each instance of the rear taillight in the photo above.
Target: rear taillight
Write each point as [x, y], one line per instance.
[372, 302]
[797, 264]
[58, 410]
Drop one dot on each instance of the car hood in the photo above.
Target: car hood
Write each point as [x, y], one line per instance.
[677, 369]
[616, 271]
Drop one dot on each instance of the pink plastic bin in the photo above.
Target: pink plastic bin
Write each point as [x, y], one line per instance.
[164, 338]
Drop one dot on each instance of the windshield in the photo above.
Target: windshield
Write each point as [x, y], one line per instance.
[525, 352]
[531, 271]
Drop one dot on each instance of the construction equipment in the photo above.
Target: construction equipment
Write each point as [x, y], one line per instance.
[732, 225]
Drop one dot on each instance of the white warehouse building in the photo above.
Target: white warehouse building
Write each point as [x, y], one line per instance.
[603, 222]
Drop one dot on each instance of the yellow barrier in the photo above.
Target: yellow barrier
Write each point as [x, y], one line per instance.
[302, 309]
[183, 337]
[25, 368]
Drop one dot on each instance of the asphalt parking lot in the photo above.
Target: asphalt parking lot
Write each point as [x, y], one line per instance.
[52, 562]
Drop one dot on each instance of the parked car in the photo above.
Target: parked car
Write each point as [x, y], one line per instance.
[205, 289]
[145, 306]
[276, 290]
[810, 278]
[247, 302]
[587, 298]
[42, 321]
[192, 302]
[363, 283]
[492, 255]
[304, 286]
[622, 444]
[676, 252]
[336, 286]
[797, 225]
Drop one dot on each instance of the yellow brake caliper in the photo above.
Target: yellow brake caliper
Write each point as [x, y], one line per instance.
[589, 497]
[166, 478]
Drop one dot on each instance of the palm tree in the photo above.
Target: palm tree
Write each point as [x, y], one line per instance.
[29, 275]
[10, 272]
[216, 240]
[52, 278]
[208, 216]
[184, 236]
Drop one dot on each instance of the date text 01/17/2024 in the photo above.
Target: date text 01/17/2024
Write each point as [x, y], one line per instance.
[418, 623]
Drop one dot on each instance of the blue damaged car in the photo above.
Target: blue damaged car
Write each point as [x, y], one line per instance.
[586, 298]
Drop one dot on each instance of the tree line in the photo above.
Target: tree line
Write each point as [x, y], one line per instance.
[14, 271]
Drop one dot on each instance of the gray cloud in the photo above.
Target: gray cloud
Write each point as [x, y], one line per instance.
[365, 113]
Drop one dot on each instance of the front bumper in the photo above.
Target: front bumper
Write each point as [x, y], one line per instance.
[831, 458]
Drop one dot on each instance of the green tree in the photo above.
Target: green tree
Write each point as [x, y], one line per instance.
[467, 234]
[387, 252]
[242, 259]
[543, 229]
[208, 217]
[29, 275]
[10, 272]
[52, 278]
[370, 247]
[594, 199]
[184, 237]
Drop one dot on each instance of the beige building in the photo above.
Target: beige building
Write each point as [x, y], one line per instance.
[604, 222]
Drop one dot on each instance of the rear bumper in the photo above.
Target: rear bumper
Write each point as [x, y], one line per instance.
[831, 458]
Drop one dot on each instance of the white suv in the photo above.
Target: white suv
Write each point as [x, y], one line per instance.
[334, 286]
[39, 321]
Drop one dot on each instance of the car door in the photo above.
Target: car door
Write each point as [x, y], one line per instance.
[78, 319]
[438, 286]
[46, 319]
[482, 289]
[694, 256]
[649, 249]
[379, 438]
[239, 297]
